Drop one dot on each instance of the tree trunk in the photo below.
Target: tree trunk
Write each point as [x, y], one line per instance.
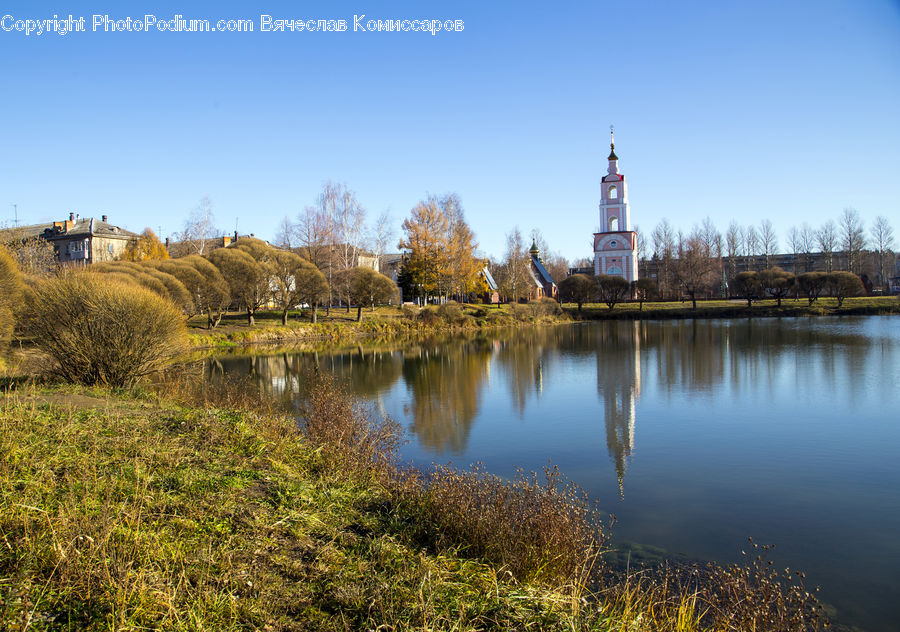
[315, 313]
[358, 312]
[250, 319]
[693, 301]
[749, 302]
[284, 317]
[640, 305]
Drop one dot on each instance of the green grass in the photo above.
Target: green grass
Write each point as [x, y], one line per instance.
[737, 309]
[123, 514]
[340, 327]
[121, 510]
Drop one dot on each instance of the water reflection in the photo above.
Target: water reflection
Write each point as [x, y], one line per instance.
[446, 383]
[777, 428]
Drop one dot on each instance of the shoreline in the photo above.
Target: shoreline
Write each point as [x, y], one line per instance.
[387, 326]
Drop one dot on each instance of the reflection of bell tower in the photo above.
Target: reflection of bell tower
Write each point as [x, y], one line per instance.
[619, 384]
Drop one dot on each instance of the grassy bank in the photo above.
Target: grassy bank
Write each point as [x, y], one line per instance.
[130, 511]
[119, 513]
[385, 323]
[860, 306]
[340, 327]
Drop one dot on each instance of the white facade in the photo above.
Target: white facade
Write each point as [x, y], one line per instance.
[615, 247]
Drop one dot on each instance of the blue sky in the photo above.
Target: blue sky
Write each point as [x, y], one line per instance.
[788, 111]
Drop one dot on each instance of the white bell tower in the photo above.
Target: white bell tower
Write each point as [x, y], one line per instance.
[615, 246]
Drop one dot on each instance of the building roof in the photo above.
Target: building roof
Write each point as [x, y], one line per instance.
[543, 275]
[24, 232]
[93, 227]
[492, 284]
[54, 231]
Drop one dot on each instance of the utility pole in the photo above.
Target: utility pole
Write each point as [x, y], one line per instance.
[16, 212]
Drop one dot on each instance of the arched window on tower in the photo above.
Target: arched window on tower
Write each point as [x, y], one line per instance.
[612, 192]
[613, 224]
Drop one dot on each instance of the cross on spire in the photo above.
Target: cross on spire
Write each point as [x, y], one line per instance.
[612, 145]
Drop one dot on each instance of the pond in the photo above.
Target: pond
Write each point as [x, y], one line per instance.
[695, 434]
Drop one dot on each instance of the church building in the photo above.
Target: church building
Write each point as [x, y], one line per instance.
[615, 247]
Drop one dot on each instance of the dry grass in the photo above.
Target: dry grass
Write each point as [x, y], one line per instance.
[123, 514]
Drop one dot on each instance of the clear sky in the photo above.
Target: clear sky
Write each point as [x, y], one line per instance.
[729, 109]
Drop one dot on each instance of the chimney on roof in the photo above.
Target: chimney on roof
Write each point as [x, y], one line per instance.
[104, 217]
[71, 217]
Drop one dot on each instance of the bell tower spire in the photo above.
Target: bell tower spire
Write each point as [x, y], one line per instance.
[613, 158]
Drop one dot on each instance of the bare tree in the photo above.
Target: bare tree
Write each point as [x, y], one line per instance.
[350, 227]
[286, 236]
[751, 246]
[696, 270]
[853, 238]
[807, 243]
[882, 245]
[382, 233]
[796, 244]
[734, 239]
[826, 239]
[313, 234]
[641, 252]
[33, 254]
[664, 250]
[768, 241]
[514, 277]
[199, 229]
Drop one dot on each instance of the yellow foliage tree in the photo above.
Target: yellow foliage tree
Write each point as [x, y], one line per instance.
[147, 247]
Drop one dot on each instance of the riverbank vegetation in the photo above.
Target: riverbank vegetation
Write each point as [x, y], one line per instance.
[194, 506]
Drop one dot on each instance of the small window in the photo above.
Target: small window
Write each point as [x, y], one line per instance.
[613, 192]
[614, 270]
[613, 243]
[613, 224]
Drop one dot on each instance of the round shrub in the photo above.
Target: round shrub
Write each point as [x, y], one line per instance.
[546, 306]
[450, 312]
[428, 316]
[100, 330]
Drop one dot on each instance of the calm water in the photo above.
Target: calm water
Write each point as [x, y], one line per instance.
[694, 434]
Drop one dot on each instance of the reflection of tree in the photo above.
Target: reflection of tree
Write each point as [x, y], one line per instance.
[445, 385]
[523, 358]
[286, 375]
[619, 384]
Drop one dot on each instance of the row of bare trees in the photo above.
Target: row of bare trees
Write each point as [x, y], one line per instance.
[703, 259]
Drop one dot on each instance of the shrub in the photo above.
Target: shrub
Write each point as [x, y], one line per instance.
[844, 284]
[348, 431]
[10, 295]
[451, 313]
[428, 316]
[521, 312]
[545, 306]
[537, 529]
[103, 331]
[409, 311]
